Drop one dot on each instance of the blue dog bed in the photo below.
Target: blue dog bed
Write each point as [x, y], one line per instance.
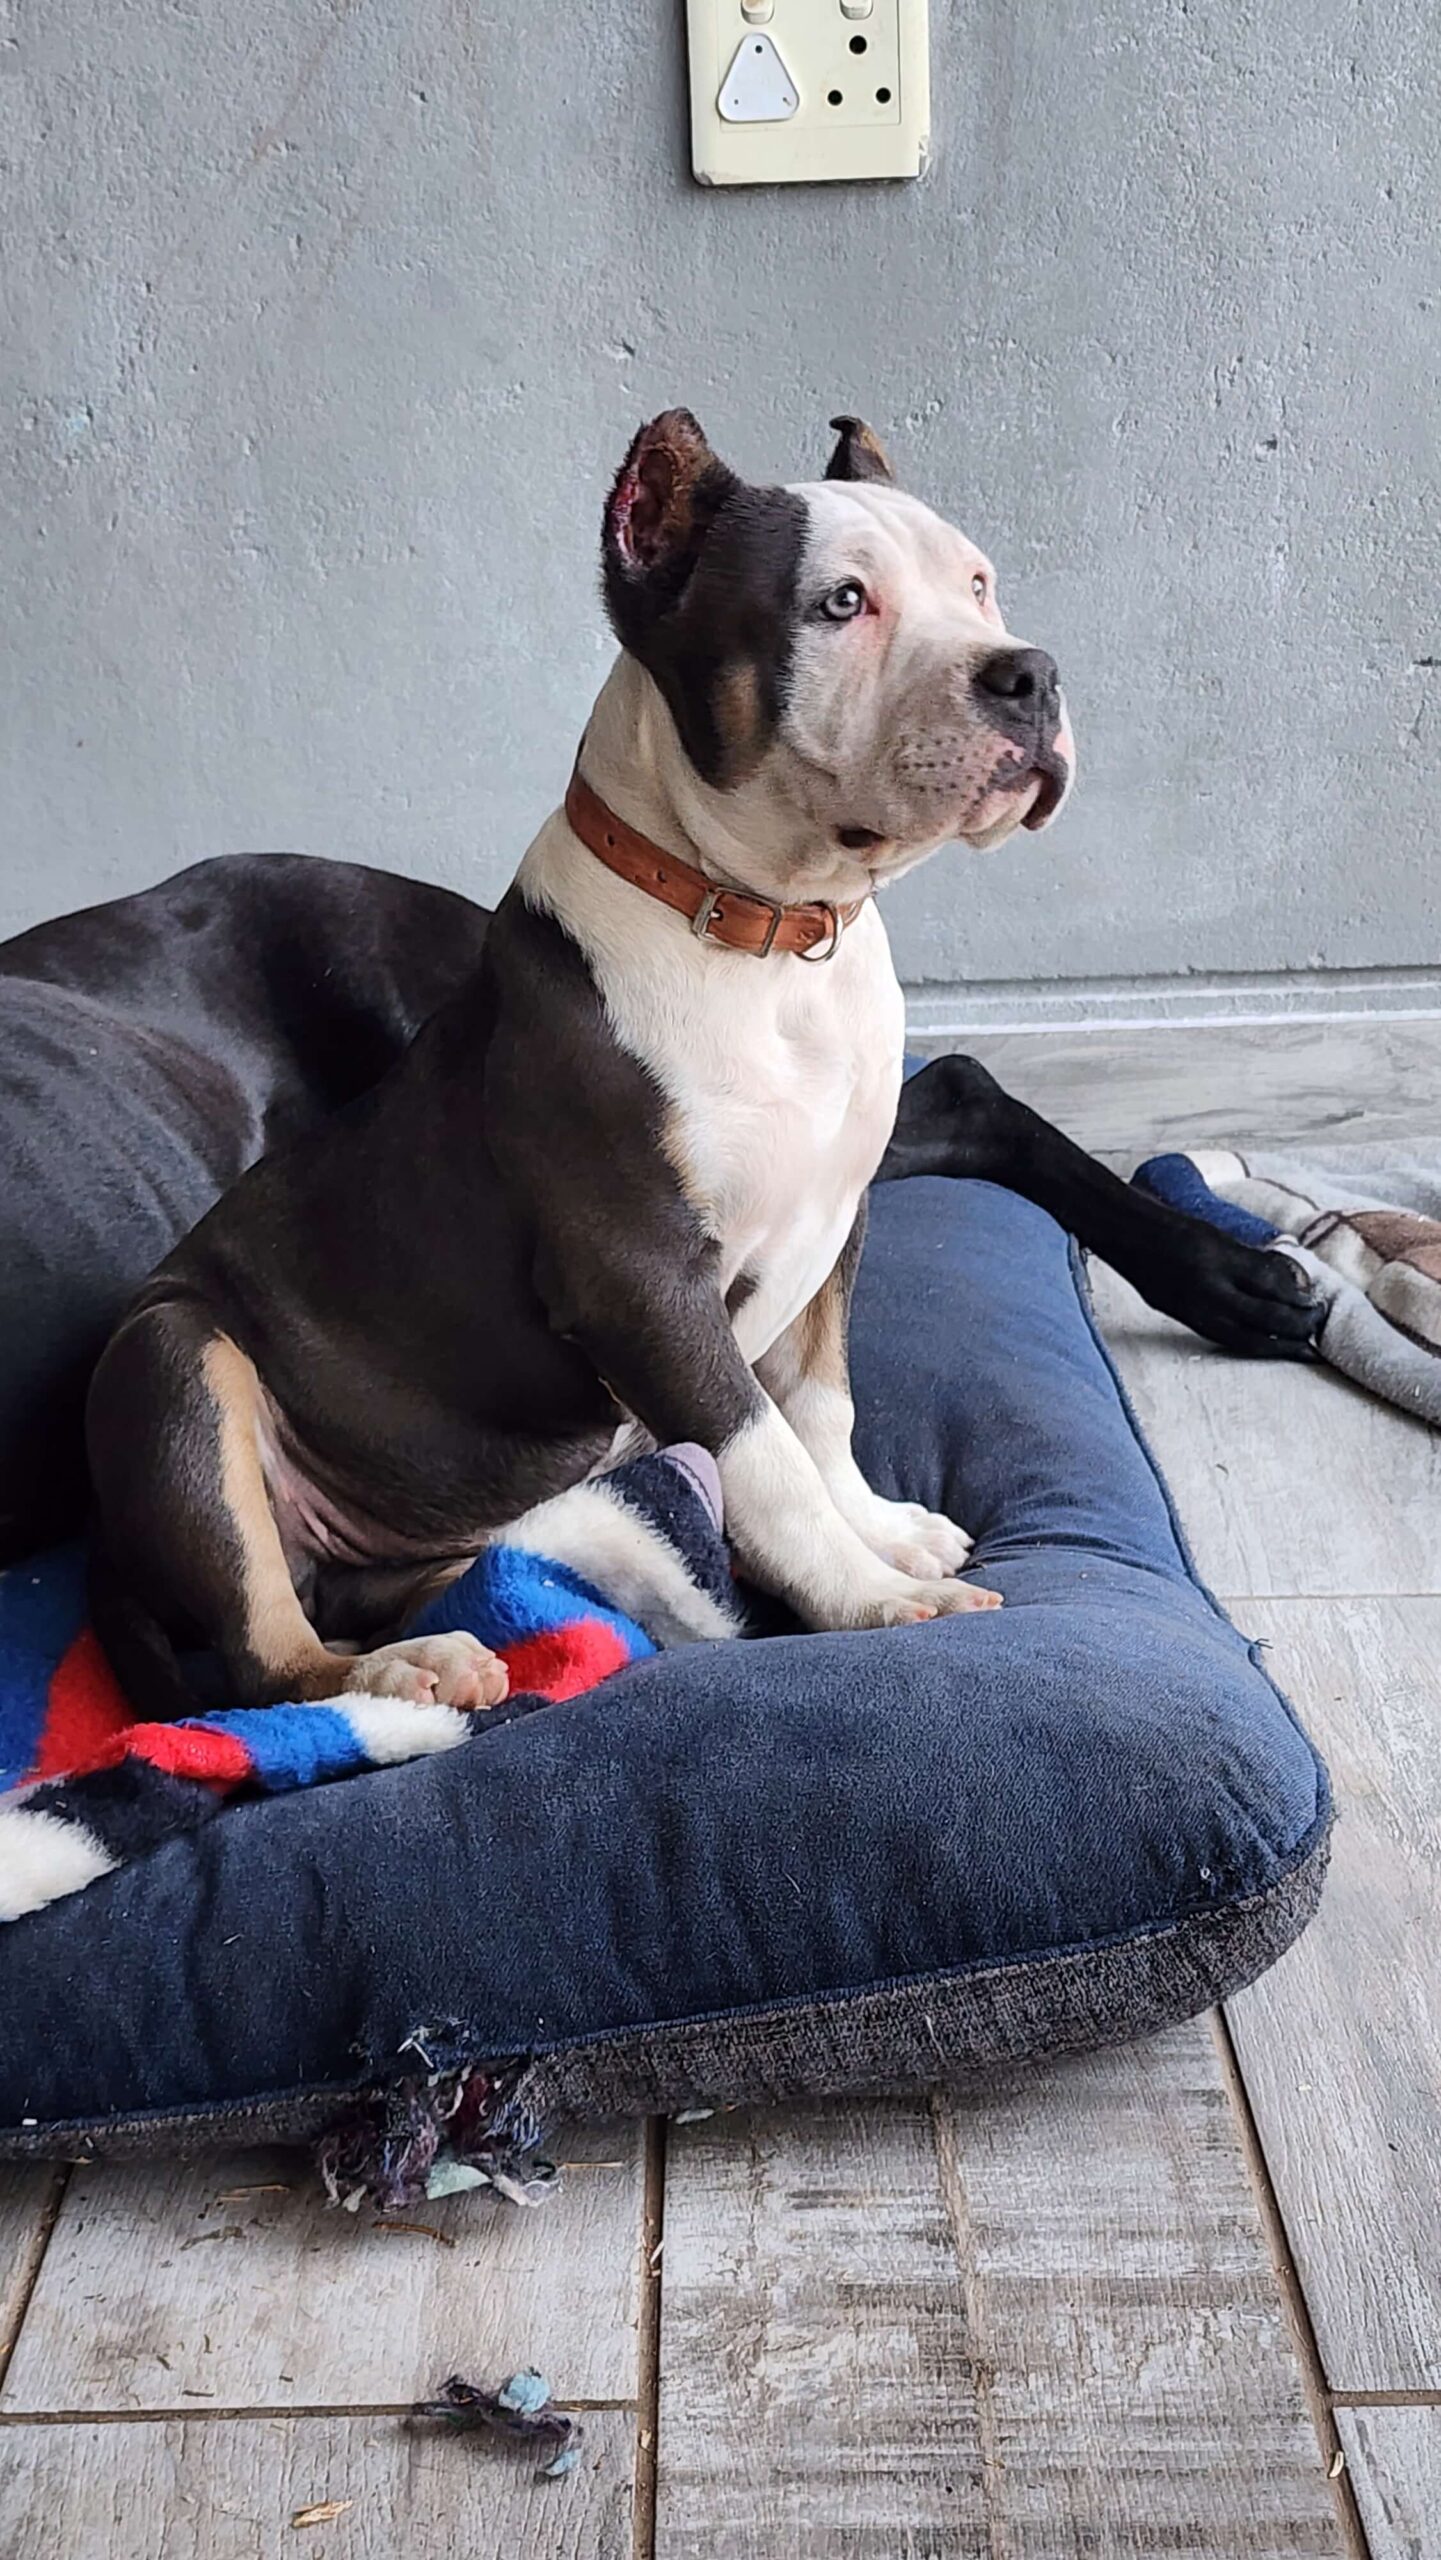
[759, 1869]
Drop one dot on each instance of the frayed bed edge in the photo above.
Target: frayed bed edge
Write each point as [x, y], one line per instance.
[436, 2133]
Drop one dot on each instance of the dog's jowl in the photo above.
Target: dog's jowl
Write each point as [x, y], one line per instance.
[618, 1180]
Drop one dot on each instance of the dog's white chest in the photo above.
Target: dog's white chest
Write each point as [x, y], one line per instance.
[784, 1099]
[780, 1076]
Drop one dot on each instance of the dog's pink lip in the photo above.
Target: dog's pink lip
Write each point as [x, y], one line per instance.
[1052, 777]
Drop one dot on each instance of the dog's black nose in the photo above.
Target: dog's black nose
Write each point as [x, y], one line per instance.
[1026, 677]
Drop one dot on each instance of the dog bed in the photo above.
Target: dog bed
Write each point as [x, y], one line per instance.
[756, 1869]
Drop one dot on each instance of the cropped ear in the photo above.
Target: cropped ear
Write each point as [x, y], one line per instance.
[667, 494]
[701, 574]
[859, 453]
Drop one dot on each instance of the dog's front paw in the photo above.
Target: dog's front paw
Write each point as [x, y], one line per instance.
[899, 1600]
[432, 1671]
[922, 1544]
[921, 1599]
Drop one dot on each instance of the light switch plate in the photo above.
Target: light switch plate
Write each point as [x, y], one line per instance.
[783, 90]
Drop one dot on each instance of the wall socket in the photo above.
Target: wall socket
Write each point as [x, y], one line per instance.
[787, 90]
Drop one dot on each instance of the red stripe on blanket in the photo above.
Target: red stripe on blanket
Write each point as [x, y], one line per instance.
[565, 1661]
[84, 1713]
[188, 1752]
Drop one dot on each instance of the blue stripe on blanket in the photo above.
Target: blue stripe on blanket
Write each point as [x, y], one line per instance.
[291, 1746]
[42, 1607]
[515, 1594]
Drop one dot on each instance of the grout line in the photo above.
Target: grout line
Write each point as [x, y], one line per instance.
[32, 2259]
[966, 1023]
[647, 2425]
[268, 2412]
[982, 2362]
[1386, 2399]
[1314, 1599]
[1308, 2352]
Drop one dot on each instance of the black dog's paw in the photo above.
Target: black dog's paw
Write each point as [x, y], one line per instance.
[1242, 1296]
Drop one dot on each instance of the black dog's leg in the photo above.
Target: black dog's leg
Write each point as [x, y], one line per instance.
[188, 1540]
[955, 1119]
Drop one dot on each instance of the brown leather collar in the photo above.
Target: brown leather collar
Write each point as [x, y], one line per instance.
[739, 918]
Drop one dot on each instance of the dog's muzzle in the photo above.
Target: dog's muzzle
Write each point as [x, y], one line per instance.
[1019, 691]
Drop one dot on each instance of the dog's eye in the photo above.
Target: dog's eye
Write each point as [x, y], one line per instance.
[845, 601]
[980, 586]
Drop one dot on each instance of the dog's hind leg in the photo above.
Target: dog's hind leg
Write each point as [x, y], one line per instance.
[189, 1543]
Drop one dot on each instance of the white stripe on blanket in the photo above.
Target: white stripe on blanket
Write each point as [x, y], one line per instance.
[42, 1857]
[390, 1730]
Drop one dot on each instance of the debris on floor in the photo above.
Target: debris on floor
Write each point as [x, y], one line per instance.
[522, 2409]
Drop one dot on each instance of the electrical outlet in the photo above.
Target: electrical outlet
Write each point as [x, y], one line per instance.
[783, 90]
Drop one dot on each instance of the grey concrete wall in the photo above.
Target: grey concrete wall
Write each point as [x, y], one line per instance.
[324, 324]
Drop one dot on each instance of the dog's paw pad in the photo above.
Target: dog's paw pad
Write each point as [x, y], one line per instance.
[447, 1671]
[939, 1600]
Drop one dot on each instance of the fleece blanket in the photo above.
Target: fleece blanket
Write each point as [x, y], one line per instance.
[1365, 1223]
[592, 1580]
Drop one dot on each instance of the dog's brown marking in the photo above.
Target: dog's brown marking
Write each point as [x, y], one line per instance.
[278, 1636]
[283, 1652]
[190, 1543]
[741, 718]
[670, 1138]
[812, 1349]
[821, 1334]
[815, 1347]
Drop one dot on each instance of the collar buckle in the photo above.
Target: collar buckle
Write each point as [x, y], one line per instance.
[700, 921]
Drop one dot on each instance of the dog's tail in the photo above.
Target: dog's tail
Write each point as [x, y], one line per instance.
[138, 1648]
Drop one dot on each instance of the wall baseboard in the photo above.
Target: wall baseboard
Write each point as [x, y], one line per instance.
[1158, 1004]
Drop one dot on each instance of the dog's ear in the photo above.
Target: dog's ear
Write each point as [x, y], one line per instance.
[701, 572]
[666, 496]
[859, 453]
